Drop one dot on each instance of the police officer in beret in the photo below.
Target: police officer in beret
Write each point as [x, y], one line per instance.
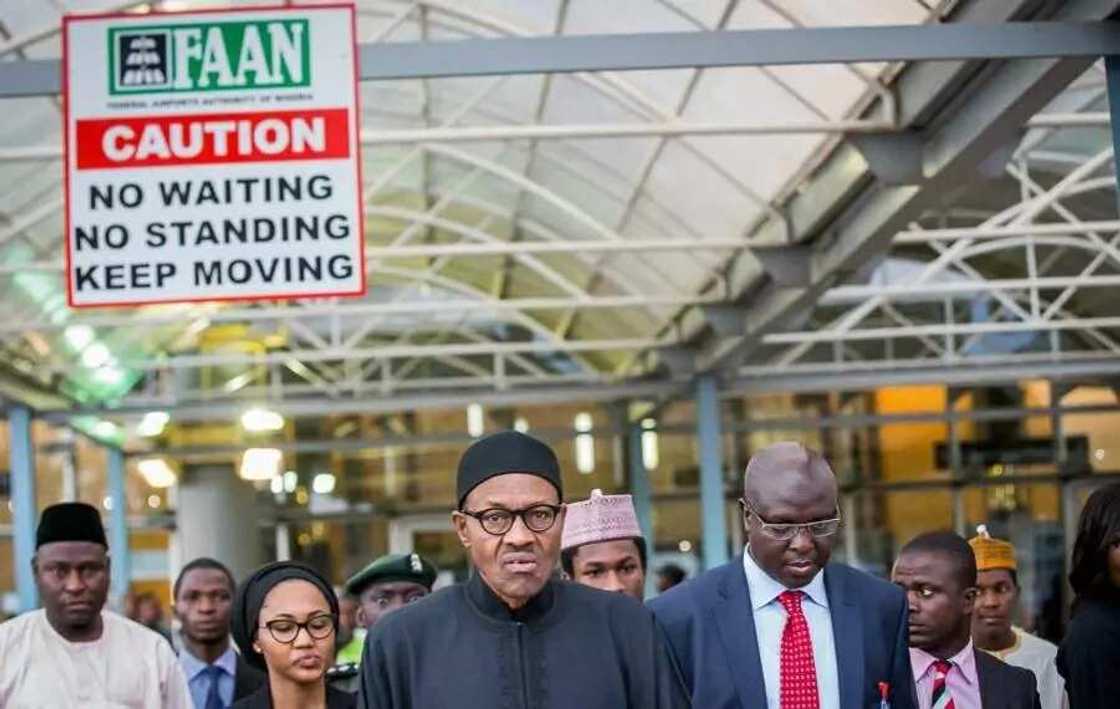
[391, 582]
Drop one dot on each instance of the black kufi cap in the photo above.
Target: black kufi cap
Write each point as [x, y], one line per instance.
[506, 452]
[250, 597]
[70, 522]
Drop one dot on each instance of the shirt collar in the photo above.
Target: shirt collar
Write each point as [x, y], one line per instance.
[488, 603]
[765, 589]
[192, 666]
[964, 661]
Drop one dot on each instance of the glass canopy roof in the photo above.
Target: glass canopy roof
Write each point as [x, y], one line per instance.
[524, 230]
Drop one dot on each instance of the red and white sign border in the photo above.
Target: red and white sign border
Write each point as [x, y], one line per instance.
[69, 18]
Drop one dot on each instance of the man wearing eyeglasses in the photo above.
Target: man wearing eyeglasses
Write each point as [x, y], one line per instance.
[781, 627]
[72, 652]
[514, 635]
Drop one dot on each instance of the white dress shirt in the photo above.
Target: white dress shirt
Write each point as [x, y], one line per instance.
[770, 620]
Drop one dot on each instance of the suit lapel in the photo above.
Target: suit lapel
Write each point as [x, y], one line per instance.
[847, 632]
[988, 693]
[734, 617]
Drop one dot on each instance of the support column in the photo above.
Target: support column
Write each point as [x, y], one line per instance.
[710, 439]
[217, 517]
[24, 515]
[850, 514]
[639, 485]
[283, 542]
[119, 552]
[643, 501]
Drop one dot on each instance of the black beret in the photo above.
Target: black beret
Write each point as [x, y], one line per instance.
[70, 522]
[506, 452]
[393, 567]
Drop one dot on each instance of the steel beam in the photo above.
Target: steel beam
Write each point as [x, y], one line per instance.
[388, 352]
[677, 50]
[1014, 92]
[319, 309]
[850, 376]
[428, 400]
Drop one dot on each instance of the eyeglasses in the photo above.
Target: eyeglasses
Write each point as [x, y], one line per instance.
[498, 520]
[286, 631]
[786, 532]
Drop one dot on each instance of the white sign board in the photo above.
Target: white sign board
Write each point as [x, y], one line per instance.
[212, 156]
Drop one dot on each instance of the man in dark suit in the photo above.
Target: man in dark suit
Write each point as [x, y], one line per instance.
[938, 572]
[780, 627]
[217, 676]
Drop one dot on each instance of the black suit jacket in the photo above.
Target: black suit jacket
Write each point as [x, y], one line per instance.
[262, 699]
[1003, 686]
[709, 625]
[247, 679]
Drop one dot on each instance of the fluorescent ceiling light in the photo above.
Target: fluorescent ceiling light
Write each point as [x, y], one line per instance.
[257, 420]
[323, 484]
[291, 481]
[476, 424]
[261, 463]
[96, 355]
[110, 376]
[153, 423]
[521, 424]
[78, 336]
[105, 429]
[157, 472]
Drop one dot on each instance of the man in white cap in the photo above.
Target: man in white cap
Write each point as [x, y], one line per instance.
[602, 545]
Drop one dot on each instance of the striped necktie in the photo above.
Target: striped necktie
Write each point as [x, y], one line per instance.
[942, 699]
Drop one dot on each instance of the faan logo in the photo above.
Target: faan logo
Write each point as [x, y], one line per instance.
[206, 57]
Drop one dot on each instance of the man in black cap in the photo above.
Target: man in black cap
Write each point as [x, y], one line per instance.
[388, 584]
[513, 635]
[72, 653]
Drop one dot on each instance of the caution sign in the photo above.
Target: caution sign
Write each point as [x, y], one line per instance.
[212, 156]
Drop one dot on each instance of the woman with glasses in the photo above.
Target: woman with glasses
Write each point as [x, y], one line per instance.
[284, 621]
[1089, 657]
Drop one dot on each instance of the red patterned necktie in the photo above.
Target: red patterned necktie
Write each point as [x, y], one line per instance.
[798, 672]
[941, 697]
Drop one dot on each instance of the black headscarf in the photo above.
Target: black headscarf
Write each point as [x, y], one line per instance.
[250, 598]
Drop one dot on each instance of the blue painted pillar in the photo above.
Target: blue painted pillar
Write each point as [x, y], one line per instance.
[710, 439]
[639, 485]
[24, 516]
[642, 493]
[119, 554]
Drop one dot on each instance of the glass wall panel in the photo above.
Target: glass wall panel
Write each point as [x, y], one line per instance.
[1101, 429]
[912, 450]
[885, 520]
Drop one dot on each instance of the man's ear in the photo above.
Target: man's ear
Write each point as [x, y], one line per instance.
[460, 521]
[360, 617]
